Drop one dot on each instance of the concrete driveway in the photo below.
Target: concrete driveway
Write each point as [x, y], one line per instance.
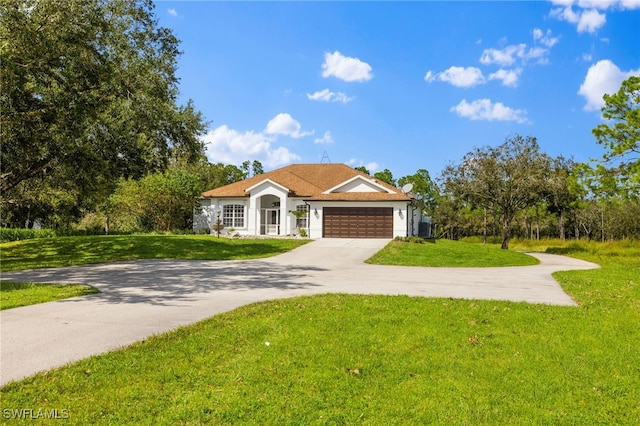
[142, 298]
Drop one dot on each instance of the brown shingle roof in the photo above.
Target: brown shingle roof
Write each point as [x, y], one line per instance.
[310, 181]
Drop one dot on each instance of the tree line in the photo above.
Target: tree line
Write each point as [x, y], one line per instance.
[93, 136]
[515, 189]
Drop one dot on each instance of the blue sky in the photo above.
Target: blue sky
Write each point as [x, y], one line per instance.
[400, 86]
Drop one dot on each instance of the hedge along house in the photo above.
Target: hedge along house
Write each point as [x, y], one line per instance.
[339, 201]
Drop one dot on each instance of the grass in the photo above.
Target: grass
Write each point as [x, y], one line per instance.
[447, 253]
[67, 251]
[14, 295]
[346, 359]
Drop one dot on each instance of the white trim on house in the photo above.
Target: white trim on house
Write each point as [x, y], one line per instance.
[364, 185]
[282, 187]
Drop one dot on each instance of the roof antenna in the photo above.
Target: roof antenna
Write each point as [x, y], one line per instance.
[325, 156]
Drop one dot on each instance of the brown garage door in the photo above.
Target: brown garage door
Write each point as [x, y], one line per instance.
[357, 222]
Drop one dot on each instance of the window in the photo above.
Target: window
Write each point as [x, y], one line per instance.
[303, 222]
[233, 216]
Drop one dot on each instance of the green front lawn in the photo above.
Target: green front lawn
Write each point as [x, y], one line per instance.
[449, 253]
[14, 295]
[66, 251]
[347, 359]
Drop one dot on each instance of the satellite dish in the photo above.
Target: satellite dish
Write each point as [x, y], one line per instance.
[418, 197]
[407, 188]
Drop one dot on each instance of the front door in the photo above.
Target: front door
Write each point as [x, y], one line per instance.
[271, 221]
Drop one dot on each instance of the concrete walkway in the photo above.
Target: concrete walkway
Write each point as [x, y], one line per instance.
[142, 298]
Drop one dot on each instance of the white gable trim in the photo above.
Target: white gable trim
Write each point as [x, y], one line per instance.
[371, 182]
[269, 181]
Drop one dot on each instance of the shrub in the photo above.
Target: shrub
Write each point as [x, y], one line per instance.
[414, 240]
[92, 224]
[16, 234]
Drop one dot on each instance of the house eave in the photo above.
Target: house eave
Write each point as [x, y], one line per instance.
[209, 197]
[373, 182]
[271, 182]
[349, 198]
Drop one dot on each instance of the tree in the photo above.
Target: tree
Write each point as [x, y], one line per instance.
[385, 176]
[505, 179]
[621, 138]
[424, 189]
[561, 191]
[448, 216]
[213, 175]
[363, 169]
[252, 168]
[603, 187]
[159, 201]
[89, 95]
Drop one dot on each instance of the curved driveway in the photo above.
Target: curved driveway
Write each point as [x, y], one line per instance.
[142, 298]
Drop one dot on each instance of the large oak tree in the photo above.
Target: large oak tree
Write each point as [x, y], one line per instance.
[503, 180]
[89, 95]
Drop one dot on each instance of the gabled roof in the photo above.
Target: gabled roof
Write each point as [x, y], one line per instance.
[310, 181]
[372, 185]
[270, 182]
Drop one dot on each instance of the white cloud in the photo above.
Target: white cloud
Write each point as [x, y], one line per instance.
[540, 54]
[630, 4]
[229, 146]
[587, 18]
[604, 77]
[172, 12]
[510, 54]
[484, 109]
[345, 68]
[545, 38]
[537, 33]
[505, 57]
[328, 96]
[591, 20]
[458, 76]
[509, 78]
[284, 124]
[596, 4]
[471, 76]
[599, 4]
[325, 139]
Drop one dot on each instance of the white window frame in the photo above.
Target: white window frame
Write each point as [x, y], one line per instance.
[303, 222]
[233, 215]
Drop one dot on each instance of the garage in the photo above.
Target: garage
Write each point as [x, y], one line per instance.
[357, 222]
